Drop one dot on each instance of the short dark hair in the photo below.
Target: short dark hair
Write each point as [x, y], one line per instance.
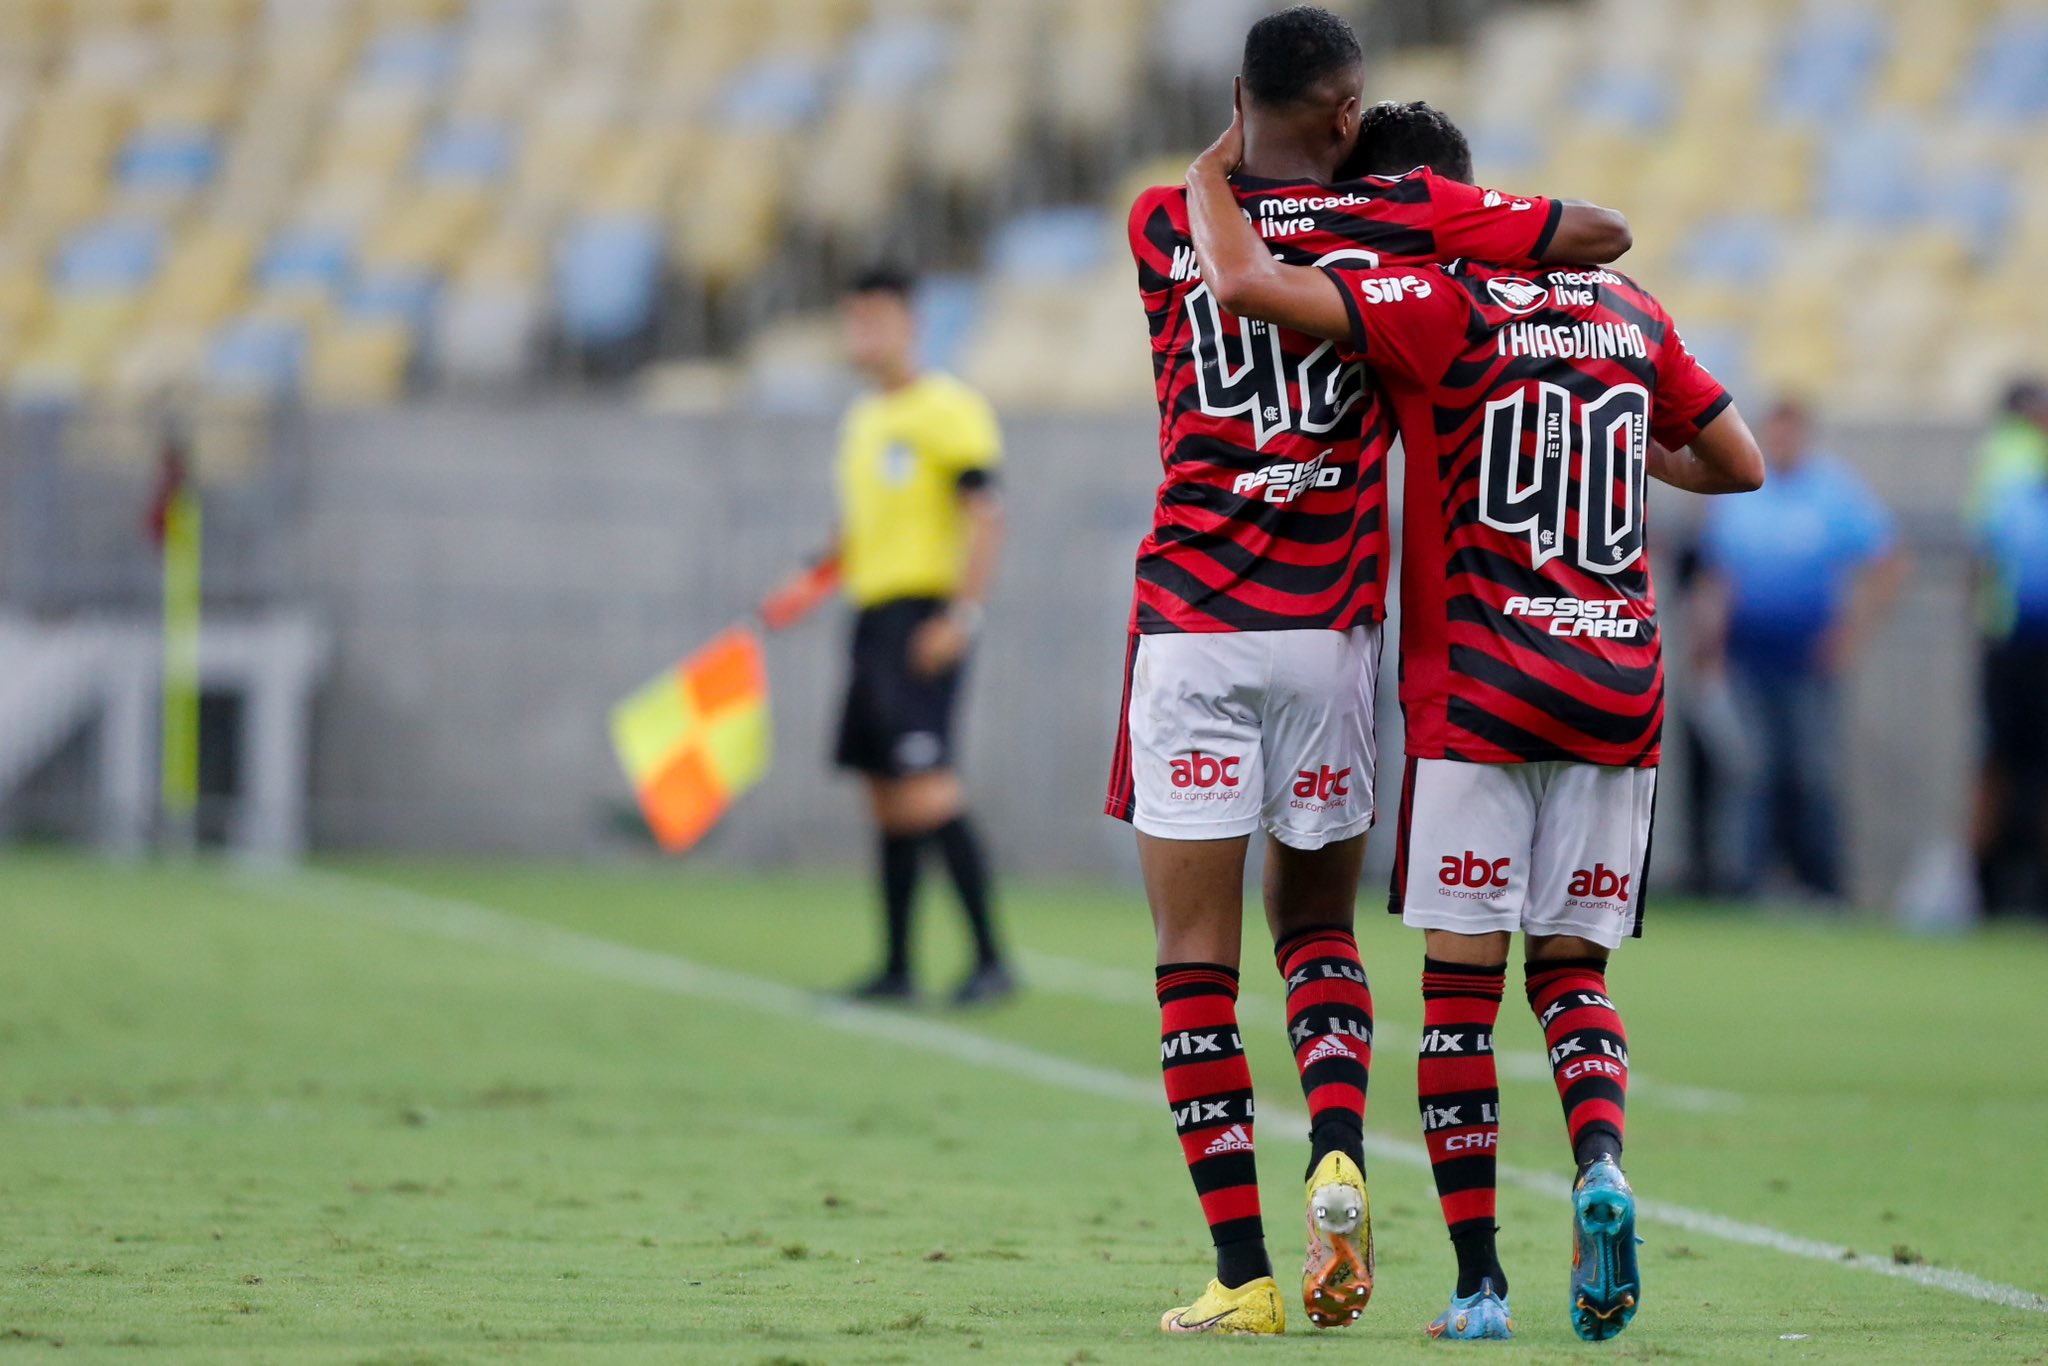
[1396, 138]
[884, 279]
[2026, 396]
[1288, 54]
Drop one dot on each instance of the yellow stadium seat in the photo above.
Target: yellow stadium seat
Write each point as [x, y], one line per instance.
[358, 364]
[392, 13]
[190, 100]
[24, 295]
[204, 278]
[728, 225]
[156, 361]
[210, 16]
[428, 228]
[1591, 161]
[1796, 359]
[507, 255]
[975, 132]
[70, 355]
[856, 171]
[633, 172]
[30, 21]
[1419, 73]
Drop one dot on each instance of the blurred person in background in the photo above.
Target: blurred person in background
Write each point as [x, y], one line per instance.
[1720, 758]
[1796, 577]
[920, 527]
[2008, 516]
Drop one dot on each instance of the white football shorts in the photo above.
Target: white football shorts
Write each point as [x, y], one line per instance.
[1544, 848]
[1225, 733]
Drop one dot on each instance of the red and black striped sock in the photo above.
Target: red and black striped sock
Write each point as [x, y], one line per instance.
[1458, 1089]
[1209, 1088]
[1588, 1052]
[1329, 1024]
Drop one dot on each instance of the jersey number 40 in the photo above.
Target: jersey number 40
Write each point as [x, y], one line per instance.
[1549, 458]
[1242, 371]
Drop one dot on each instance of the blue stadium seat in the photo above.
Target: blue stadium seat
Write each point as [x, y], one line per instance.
[948, 306]
[306, 257]
[892, 60]
[1732, 248]
[403, 293]
[115, 256]
[1050, 244]
[608, 278]
[257, 356]
[775, 92]
[1830, 57]
[1870, 173]
[1978, 202]
[169, 159]
[1724, 350]
[466, 152]
[513, 13]
[2009, 77]
[1627, 98]
[419, 55]
[1507, 146]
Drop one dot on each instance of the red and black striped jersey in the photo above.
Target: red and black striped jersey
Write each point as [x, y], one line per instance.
[1271, 511]
[1526, 402]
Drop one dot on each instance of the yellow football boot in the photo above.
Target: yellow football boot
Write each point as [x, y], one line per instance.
[1336, 1279]
[1253, 1307]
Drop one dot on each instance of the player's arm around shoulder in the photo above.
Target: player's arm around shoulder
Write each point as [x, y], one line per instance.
[1588, 233]
[1240, 272]
[1723, 458]
[1481, 224]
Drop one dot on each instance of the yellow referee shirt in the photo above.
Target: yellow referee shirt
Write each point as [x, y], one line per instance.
[902, 533]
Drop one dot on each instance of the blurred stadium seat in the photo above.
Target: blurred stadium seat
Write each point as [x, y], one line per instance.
[345, 199]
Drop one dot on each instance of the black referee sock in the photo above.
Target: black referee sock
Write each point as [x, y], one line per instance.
[962, 851]
[899, 889]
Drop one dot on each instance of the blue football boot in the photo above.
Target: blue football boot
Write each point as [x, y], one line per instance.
[1474, 1318]
[1606, 1284]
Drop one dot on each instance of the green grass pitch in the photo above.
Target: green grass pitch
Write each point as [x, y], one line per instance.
[493, 1115]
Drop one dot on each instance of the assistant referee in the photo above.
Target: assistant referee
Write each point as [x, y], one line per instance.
[915, 550]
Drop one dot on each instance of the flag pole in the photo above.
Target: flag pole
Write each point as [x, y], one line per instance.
[179, 526]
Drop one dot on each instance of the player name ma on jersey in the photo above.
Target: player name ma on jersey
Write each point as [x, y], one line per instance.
[1271, 512]
[1526, 401]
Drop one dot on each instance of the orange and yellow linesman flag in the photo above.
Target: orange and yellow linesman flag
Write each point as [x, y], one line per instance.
[697, 737]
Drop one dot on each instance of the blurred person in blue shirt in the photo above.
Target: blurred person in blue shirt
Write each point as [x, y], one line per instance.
[2008, 515]
[1796, 577]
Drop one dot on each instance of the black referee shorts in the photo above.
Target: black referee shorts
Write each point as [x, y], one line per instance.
[2015, 721]
[897, 721]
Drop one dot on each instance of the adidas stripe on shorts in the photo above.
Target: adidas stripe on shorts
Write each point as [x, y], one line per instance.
[1226, 733]
[1544, 848]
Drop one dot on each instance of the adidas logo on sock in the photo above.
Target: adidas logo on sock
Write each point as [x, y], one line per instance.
[1329, 1046]
[1231, 1140]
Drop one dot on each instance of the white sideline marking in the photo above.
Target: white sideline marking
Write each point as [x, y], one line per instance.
[471, 922]
[1120, 986]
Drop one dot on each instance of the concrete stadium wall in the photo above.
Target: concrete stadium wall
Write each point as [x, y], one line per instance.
[498, 576]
